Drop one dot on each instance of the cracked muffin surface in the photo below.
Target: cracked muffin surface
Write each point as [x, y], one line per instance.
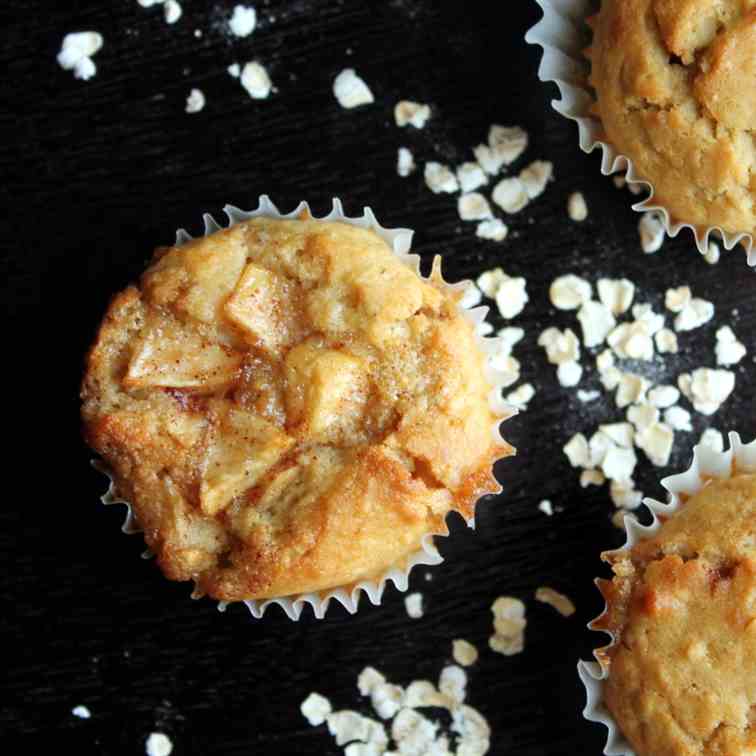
[675, 84]
[682, 610]
[288, 408]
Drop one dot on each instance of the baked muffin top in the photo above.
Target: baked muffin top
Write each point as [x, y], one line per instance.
[682, 608]
[675, 85]
[288, 407]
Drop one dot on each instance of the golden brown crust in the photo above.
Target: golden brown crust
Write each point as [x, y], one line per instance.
[675, 83]
[682, 609]
[288, 408]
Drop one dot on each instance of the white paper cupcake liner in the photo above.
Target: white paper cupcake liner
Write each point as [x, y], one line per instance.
[707, 464]
[563, 35]
[400, 241]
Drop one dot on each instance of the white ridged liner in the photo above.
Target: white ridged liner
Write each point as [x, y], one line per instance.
[707, 463]
[400, 241]
[562, 33]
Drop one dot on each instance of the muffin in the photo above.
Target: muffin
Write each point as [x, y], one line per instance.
[289, 408]
[675, 85]
[681, 671]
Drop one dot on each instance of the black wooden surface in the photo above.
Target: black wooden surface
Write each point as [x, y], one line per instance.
[94, 175]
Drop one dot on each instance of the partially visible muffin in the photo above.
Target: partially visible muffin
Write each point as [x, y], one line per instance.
[675, 84]
[682, 609]
[288, 408]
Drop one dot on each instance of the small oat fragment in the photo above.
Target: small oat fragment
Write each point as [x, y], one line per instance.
[407, 112]
[368, 679]
[243, 21]
[656, 441]
[507, 142]
[82, 712]
[350, 90]
[676, 300]
[234, 70]
[729, 350]
[195, 102]
[631, 390]
[464, 653]
[588, 396]
[535, 177]
[511, 297]
[569, 374]
[597, 322]
[77, 51]
[413, 733]
[509, 626]
[666, 341]
[559, 601]
[620, 433]
[521, 396]
[651, 232]
[560, 346]
[569, 292]
[623, 494]
[473, 730]
[440, 179]
[453, 683]
[695, 314]
[713, 439]
[709, 389]
[592, 478]
[255, 80]
[642, 415]
[678, 419]
[664, 396]
[490, 281]
[405, 162]
[315, 709]
[347, 726]
[492, 230]
[712, 253]
[386, 699]
[507, 367]
[473, 206]
[158, 744]
[510, 195]
[577, 209]
[510, 336]
[172, 11]
[619, 463]
[471, 177]
[414, 605]
[577, 451]
[546, 507]
[421, 694]
[616, 294]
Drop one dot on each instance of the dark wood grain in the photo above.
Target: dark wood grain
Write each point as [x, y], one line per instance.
[96, 174]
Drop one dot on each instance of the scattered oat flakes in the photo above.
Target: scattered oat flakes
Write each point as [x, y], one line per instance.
[620, 433]
[158, 744]
[438, 178]
[347, 726]
[414, 605]
[713, 439]
[368, 679]
[619, 463]
[560, 346]
[195, 101]
[315, 709]
[577, 451]
[350, 90]
[570, 292]
[569, 374]
[505, 145]
[708, 388]
[243, 21]
[642, 415]
[577, 209]
[559, 601]
[490, 281]
[631, 390]
[464, 653]
[473, 206]
[663, 396]
[656, 441]
[77, 51]
[412, 113]
[695, 314]
[676, 300]
[82, 712]
[405, 163]
[386, 699]
[651, 232]
[254, 78]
